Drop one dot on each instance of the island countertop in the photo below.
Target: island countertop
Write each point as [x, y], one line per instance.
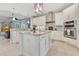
[35, 33]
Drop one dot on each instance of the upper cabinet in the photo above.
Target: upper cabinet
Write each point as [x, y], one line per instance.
[45, 21]
[50, 17]
[38, 21]
[59, 18]
[70, 12]
[67, 14]
[50, 21]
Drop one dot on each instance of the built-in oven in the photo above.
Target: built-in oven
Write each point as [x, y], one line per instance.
[70, 29]
[70, 33]
[50, 28]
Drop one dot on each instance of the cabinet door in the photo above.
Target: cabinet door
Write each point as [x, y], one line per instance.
[70, 12]
[15, 37]
[73, 11]
[59, 18]
[43, 45]
[26, 44]
[30, 45]
[34, 44]
[50, 17]
[47, 44]
[77, 40]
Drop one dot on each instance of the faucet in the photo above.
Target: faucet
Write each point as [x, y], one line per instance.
[34, 28]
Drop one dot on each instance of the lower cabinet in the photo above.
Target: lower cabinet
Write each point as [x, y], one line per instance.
[30, 45]
[57, 35]
[15, 36]
[34, 45]
[44, 45]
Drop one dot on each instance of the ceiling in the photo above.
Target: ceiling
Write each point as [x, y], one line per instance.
[23, 10]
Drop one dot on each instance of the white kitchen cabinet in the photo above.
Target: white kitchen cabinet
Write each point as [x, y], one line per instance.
[38, 21]
[15, 36]
[26, 44]
[50, 17]
[70, 12]
[44, 44]
[59, 18]
[31, 47]
[16, 40]
[57, 35]
[34, 45]
[50, 20]
[30, 44]
[71, 41]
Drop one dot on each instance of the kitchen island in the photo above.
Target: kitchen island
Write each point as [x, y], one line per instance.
[35, 44]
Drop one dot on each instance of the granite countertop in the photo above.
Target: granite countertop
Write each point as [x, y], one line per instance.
[36, 33]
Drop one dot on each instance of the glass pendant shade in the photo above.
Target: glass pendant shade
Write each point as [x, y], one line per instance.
[13, 18]
[38, 8]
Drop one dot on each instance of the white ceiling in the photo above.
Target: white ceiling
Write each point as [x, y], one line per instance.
[23, 10]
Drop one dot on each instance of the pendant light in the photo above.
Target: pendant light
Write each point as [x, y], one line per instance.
[38, 8]
[13, 18]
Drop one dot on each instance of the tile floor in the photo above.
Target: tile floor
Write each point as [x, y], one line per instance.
[62, 49]
[57, 49]
[7, 49]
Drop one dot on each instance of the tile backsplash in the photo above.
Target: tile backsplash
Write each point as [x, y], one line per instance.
[59, 28]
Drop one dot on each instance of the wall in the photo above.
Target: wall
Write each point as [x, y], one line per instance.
[24, 22]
